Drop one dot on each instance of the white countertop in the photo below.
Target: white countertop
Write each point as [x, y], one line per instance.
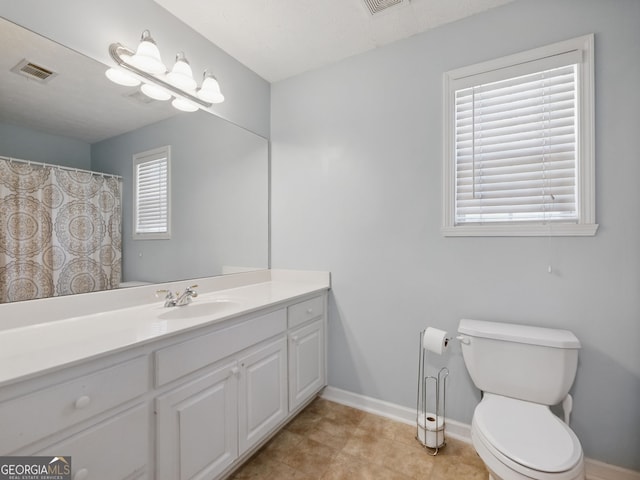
[38, 347]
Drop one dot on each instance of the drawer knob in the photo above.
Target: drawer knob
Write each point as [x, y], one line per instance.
[234, 372]
[81, 474]
[309, 311]
[82, 402]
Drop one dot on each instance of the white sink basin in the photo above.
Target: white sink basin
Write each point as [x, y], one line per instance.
[198, 309]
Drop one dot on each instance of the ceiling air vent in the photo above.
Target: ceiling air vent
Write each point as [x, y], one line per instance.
[139, 97]
[33, 71]
[376, 6]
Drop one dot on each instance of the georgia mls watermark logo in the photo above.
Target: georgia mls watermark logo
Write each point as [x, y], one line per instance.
[35, 468]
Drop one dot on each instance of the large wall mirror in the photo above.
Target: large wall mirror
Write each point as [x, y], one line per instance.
[79, 119]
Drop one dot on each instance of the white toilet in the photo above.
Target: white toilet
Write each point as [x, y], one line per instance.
[522, 370]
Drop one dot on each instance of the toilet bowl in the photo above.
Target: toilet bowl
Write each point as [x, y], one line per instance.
[522, 370]
[519, 440]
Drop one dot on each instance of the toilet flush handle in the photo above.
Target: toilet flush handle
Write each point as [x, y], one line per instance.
[463, 339]
[567, 406]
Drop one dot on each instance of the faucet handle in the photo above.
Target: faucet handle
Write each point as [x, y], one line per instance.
[191, 290]
[169, 299]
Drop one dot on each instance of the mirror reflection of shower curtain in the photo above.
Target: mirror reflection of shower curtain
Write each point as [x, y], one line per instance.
[60, 231]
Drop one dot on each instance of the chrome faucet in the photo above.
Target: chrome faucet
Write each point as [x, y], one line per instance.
[181, 299]
[185, 297]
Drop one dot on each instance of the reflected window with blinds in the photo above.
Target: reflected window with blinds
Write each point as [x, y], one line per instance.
[152, 194]
[519, 155]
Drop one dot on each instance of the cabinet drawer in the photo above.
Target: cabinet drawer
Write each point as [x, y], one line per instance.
[115, 449]
[304, 311]
[36, 415]
[178, 360]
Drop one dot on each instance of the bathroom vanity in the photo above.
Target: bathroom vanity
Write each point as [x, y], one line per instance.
[144, 391]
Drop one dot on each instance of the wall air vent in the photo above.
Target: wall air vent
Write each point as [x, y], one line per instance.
[376, 6]
[33, 71]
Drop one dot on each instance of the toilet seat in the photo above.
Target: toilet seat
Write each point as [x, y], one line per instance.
[526, 436]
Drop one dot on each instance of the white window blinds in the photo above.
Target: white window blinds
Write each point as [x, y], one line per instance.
[516, 150]
[151, 202]
[519, 144]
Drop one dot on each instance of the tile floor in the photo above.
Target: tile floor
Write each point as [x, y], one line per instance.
[329, 441]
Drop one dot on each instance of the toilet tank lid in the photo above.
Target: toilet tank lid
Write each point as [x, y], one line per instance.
[548, 337]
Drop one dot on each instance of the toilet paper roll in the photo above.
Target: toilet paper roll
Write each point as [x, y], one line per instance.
[431, 430]
[435, 340]
[432, 422]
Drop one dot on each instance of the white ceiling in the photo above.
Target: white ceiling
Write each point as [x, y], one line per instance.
[281, 38]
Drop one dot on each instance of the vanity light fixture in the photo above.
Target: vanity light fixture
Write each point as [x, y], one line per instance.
[181, 75]
[147, 56]
[145, 66]
[210, 89]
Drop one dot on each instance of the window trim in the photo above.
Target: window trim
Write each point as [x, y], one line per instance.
[585, 168]
[147, 156]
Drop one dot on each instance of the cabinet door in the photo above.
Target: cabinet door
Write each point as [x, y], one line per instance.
[306, 363]
[197, 436]
[262, 392]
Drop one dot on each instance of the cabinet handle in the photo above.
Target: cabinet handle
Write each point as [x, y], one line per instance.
[294, 339]
[81, 474]
[309, 311]
[234, 372]
[82, 402]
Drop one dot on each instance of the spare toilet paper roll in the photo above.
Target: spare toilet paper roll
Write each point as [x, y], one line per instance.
[430, 421]
[431, 430]
[435, 340]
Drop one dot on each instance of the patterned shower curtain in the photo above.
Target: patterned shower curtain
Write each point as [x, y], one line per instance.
[60, 231]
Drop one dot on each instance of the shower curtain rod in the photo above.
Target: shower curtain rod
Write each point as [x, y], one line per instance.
[60, 167]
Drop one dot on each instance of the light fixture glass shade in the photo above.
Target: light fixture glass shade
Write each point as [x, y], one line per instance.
[145, 66]
[147, 56]
[181, 75]
[184, 105]
[122, 77]
[210, 90]
[155, 91]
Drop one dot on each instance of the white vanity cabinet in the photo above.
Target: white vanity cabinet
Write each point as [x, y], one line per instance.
[306, 363]
[97, 415]
[196, 426]
[267, 368]
[307, 351]
[231, 405]
[191, 405]
[117, 447]
[262, 401]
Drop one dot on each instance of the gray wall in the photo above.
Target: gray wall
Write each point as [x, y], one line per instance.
[90, 26]
[357, 190]
[27, 144]
[219, 197]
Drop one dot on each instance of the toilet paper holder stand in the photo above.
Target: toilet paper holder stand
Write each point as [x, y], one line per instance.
[430, 386]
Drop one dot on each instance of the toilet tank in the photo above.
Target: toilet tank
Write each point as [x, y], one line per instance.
[528, 363]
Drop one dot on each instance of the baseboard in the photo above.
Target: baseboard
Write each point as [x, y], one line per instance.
[595, 470]
[455, 429]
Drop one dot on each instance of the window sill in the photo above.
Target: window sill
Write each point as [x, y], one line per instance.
[552, 230]
[151, 236]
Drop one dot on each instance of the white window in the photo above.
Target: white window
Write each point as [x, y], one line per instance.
[152, 194]
[519, 144]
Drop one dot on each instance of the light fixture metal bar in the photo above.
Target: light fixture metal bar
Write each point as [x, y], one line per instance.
[117, 49]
